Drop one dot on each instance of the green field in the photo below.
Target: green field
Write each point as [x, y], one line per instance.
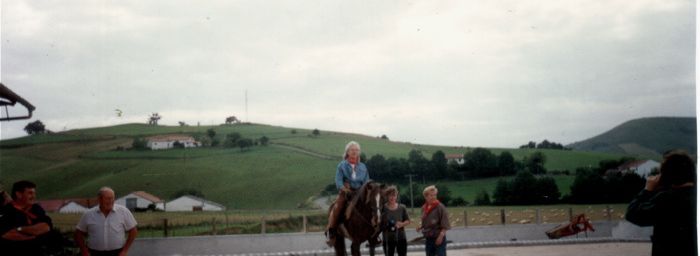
[284, 175]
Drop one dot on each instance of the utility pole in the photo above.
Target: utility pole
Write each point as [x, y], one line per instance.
[410, 187]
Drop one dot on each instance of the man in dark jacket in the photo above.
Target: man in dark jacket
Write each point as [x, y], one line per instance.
[24, 226]
[668, 202]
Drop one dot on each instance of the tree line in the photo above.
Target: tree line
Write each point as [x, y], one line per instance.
[476, 163]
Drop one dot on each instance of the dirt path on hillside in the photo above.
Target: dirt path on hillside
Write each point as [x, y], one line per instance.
[303, 151]
[59, 165]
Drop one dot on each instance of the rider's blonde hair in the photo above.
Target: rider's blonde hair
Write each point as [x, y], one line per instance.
[347, 147]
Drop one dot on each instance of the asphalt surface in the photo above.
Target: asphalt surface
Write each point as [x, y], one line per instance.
[313, 243]
[597, 249]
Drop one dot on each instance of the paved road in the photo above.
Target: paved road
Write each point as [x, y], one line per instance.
[313, 243]
[597, 249]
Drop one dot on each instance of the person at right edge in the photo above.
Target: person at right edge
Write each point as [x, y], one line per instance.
[668, 202]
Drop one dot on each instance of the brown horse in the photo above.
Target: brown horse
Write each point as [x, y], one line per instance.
[362, 220]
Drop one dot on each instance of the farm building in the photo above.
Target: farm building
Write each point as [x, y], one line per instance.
[189, 203]
[457, 158]
[168, 141]
[640, 167]
[138, 200]
[74, 205]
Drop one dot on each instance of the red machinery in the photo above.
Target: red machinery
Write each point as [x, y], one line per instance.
[578, 224]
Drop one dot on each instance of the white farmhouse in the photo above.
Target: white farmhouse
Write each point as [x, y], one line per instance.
[640, 167]
[168, 141]
[457, 158]
[189, 203]
[138, 200]
[72, 207]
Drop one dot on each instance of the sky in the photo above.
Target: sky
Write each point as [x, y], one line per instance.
[461, 73]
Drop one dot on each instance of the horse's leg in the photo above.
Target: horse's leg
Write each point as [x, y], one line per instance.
[339, 246]
[371, 249]
[355, 248]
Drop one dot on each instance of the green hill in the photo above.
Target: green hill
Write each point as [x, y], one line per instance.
[283, 175]
[646, 137]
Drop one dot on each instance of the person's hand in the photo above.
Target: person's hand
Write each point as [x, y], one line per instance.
[418, 229]
[439, 240]
[123, 253]
[346, 185]
[652, 182]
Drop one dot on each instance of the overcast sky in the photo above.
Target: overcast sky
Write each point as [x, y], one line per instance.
[471, 73]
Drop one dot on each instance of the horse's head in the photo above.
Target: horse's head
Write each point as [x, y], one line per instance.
[372, 197]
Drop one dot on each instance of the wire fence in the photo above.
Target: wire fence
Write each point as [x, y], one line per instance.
[168, 224]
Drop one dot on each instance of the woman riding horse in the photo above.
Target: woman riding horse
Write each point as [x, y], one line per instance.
[350, 175]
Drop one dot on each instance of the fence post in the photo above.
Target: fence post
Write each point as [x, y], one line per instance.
[503, 216]
[262, 225]
[165, 227]
[571, 214]
[305, 222]
[607, 210]
[538, 217]
[226, 215]
[465, 218]
[213, 225]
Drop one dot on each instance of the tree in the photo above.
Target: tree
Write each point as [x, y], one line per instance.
[444, 193]
[480, 162]
[232, 120]
[530, 144]
[524, 188]
[482, 198]
[316, 132]
[378, 164]
[36, 127]
[502, 193]
[459, 202]
[546, 191]
[232, 139]
[588, 187]
[535, 163]
[264, 140]
[506, 164]
[439, 163]
[178, 144]
[244, 143]
[182, 123]
[384, 137]
[153, 119]
[417, 163]
[211, 133]
[139, 144]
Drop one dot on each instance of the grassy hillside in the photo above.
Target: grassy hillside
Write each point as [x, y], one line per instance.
[647, 137]
[282, 175]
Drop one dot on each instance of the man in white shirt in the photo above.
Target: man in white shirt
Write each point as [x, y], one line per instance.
[105, 227]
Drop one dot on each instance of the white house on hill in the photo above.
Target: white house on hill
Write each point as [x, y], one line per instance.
[189, 203]
[138, 199]
[457, 158]
[640, 167]
[168, 141]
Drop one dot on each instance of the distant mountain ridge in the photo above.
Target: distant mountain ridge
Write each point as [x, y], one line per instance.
[648, 137]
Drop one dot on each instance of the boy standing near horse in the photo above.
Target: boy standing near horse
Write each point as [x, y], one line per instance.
[350, 175]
